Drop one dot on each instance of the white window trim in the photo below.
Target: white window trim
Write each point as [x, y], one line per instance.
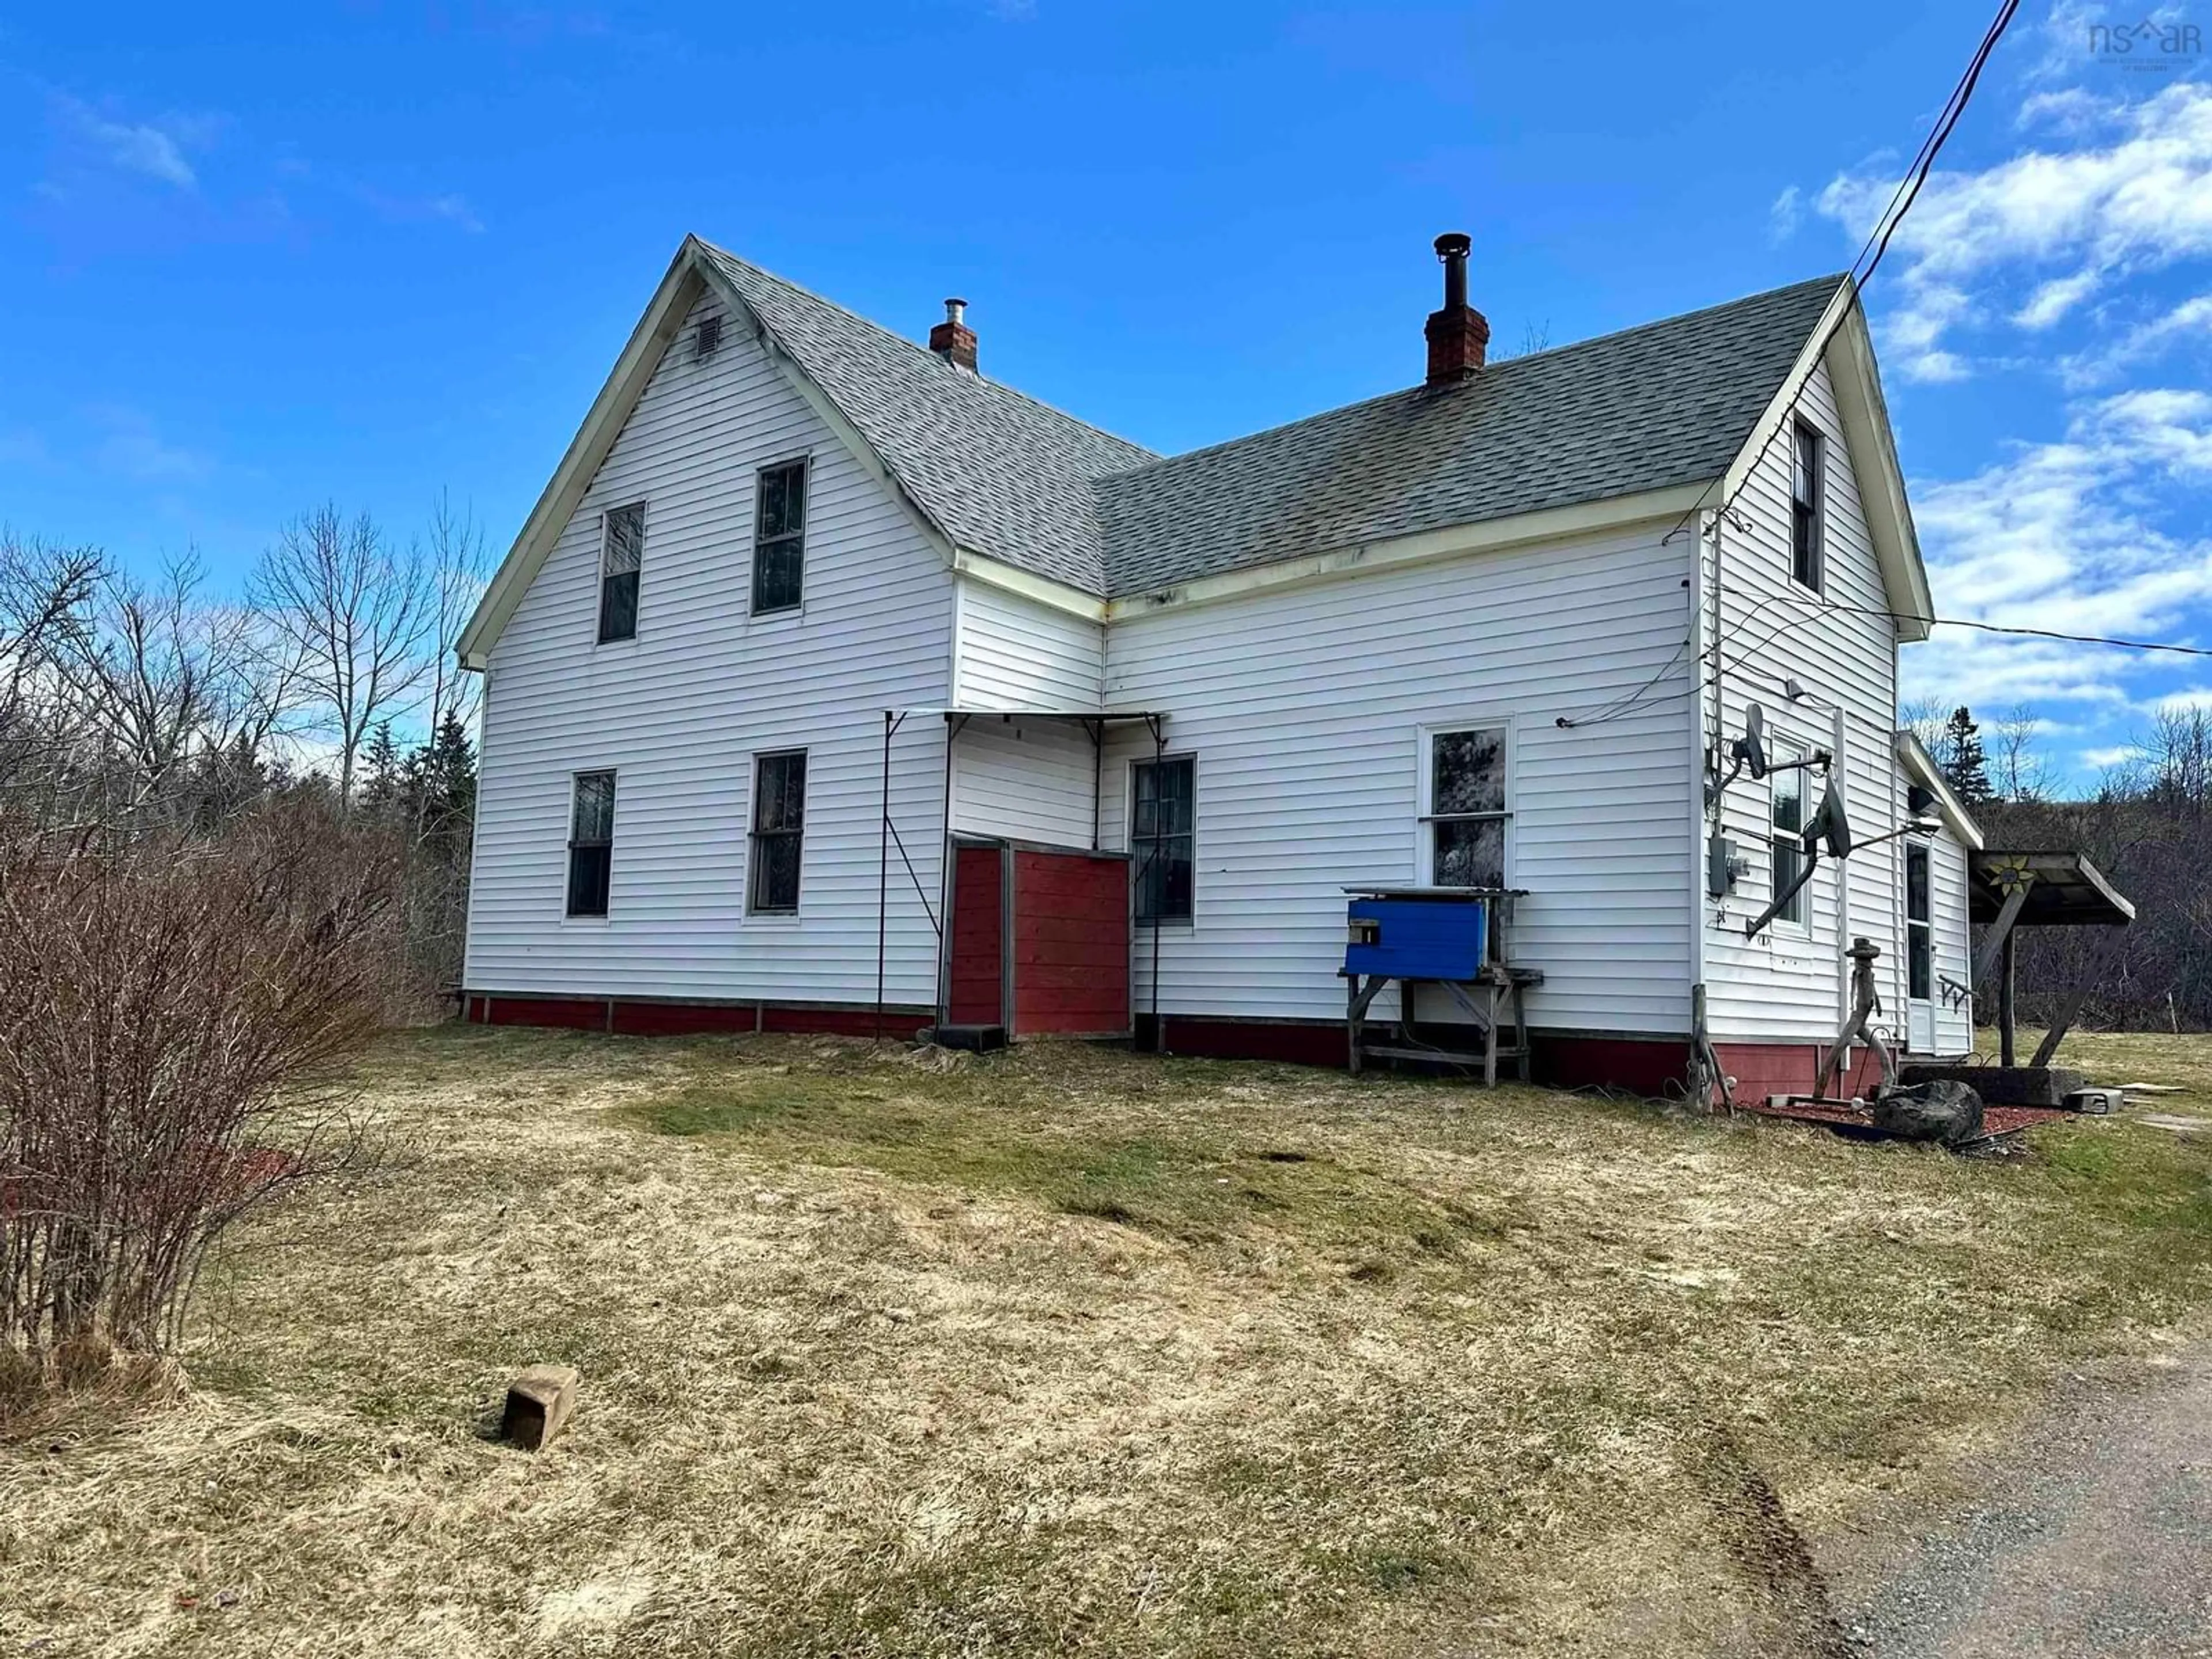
[791, 613]
[747, 916]
[644, 506]
[1182, 924]
[1799, 926]
[1425, 835]
[567, 840]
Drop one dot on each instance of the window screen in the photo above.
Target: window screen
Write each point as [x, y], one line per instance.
[1163, 834]
[780, 537]
[621, 552]
[779, 831]
[1467, 808]
[591, 843]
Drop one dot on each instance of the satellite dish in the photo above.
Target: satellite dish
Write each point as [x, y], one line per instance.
[1829, 824]
[1751, 747]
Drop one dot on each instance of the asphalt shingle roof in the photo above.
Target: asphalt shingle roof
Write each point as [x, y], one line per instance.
[1002, 474]
[1669, 403]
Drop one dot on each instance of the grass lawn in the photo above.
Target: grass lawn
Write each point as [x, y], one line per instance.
[1067, 1349]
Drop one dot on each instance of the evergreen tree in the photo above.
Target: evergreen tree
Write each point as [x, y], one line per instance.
[1965, 769]
[381, 792]
[442, 785]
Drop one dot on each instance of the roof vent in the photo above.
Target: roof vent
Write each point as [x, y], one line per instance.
[952, 339]
[1459, 335]
[707, 340]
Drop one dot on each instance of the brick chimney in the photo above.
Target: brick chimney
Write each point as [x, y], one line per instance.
[1459, 335]
[952, 339]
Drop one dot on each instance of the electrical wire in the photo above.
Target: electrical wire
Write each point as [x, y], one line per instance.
[1878, 240]
[1871, 254]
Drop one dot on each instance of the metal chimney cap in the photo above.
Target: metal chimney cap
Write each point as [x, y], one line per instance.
[955, 310]
[1454, 244]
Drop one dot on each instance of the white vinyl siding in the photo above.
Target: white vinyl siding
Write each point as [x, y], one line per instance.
[1027, 779]
[684, 709]
[1791, 983]
[1951, 944]
[1017, 655]
[1308, 707]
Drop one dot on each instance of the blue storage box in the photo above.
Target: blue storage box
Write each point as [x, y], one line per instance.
[1417, 936]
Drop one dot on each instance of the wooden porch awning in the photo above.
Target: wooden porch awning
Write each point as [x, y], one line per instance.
[2062, 890]
[2007, 890]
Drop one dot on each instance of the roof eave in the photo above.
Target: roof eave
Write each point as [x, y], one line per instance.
[1423, 547]
[640, 354]
[1922, 765]
[1841, 339]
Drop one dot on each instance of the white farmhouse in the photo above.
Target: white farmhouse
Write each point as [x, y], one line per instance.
[834, 686]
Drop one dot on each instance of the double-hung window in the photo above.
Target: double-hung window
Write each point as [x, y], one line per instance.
[591, 843]
[779, 833]
[1163, 837]
[1806, 466]
[780, 537]
[1787, 813]
[1467, 807]
[622, 552]
[1919, 927]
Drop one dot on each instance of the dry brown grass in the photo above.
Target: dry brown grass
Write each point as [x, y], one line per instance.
[1073, 1351]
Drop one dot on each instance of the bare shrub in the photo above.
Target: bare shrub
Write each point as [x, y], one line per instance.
[172, 1012]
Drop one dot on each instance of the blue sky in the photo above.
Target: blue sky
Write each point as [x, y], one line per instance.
[366, 251]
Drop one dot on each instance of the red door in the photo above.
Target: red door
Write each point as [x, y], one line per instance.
[1071, 936]
[978, 975]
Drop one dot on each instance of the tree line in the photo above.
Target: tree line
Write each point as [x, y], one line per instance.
[2146, 826]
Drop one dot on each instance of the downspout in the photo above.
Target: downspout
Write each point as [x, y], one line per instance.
[884, 875]
[1159, 752]
[1703, 1063]
[1840, 770]
[952, 724]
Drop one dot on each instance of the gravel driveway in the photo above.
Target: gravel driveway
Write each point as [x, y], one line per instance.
[2091, 1535]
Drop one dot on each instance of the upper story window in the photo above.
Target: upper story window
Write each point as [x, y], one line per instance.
[1807, 468]
[591, 843]
[779, 832]
[1787, 813]
[1163, 834]
[780, 537]
[622, 552]
[1467, 809]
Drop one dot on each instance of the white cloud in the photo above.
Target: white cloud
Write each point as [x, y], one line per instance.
[153, 149]
[2118, 754]
[2122, 345]
[1784, 216]
[2141, 201]
[133, 448]
[2054, 299]
[2068, 536]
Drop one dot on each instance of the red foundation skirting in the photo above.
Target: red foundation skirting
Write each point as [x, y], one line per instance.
[1652, 1067]
[633, 1016]
[1761, 1069]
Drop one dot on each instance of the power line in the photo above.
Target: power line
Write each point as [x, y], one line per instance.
[1819, 603]
[1862, 272]
[1878, 239]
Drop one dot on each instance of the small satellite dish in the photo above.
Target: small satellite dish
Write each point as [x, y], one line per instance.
[1751, 747]
[1829, 824]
